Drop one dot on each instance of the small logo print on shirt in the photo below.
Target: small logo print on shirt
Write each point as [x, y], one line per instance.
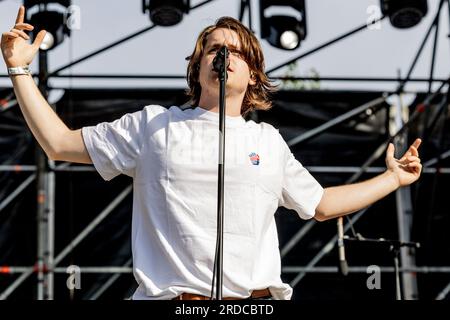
[254, 158]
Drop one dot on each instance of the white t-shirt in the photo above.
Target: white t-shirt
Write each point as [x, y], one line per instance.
[172, 155]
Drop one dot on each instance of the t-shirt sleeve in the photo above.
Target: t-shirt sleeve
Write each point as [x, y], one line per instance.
[115, 147]
[300, 190]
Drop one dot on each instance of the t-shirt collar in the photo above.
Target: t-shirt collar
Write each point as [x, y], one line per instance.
[201, 113]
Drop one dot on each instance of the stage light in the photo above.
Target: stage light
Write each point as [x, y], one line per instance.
[54, 22]
[404, 13]
[283, 31]
[32, 3]
[166, 13]
[48, 42]
[289, 40]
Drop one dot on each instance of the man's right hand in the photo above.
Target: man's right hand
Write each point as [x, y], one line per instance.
[14, 44]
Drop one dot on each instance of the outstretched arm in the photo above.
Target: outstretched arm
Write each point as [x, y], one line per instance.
[57, 140]
[342, 200]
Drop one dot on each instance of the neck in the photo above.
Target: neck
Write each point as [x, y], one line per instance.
[232, 108]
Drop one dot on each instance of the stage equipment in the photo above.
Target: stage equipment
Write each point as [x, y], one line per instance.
[283, 23]
[53, 21]
[166, 13]
[404, 13]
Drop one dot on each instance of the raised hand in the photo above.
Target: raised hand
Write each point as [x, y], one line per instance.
[408, 168]
[16, 49]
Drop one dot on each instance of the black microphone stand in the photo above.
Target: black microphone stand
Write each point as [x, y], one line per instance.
[220, 65]
[394, 247]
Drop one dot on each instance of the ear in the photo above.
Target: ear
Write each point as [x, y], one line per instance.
[252, 80]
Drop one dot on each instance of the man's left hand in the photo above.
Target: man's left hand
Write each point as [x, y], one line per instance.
[407, 169]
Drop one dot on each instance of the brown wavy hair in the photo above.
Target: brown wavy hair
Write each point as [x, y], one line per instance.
[257, 96]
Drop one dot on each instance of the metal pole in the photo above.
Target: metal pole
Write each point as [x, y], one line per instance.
[108, 283]
[45, 205]
[435, 160]
[398, 292]
[445, 291]
[423, 130]
[433, 56]
[285, 269]
[282, 78]
[93, 224]
[17, 191]
[337, 169]
[407, 255]
[326, 248]
[422, 45]
[218, 261]
[244, 4]
[442, 115]
[18, 168]
[363, 269]
[326, 44]
[404, 216]
[85, 269]
[73, 243]
[431, 124]
[376, 103]
[250, 24]
[5, 294]
[114, 44]
[297, 237]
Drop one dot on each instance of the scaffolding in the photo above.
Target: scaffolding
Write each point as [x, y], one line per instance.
[44, 173]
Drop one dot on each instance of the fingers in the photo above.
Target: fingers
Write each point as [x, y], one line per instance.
[20, 15]
[39, 38]
[17, 30]
[390, 151]
[413, 148]
[10, 35]
[413, 159]
[408, 159]
[415, 166]
[20, 33]
[23, 26]
[412, 151]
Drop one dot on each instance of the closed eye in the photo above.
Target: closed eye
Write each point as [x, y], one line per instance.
[214, 49]
[236, 53]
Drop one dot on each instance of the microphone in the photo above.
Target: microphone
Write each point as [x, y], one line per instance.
[219, 60]
[343, 266]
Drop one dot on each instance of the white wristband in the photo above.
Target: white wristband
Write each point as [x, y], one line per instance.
[19, 70]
